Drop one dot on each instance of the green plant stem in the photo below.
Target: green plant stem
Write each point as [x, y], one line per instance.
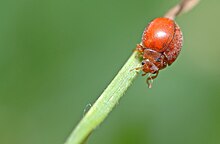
[115, 90]
[106, 102]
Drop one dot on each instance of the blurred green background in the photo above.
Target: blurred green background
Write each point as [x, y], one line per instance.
[57, 56]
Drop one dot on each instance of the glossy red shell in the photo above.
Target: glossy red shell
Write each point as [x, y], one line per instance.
[163, 35]
[158, 34]
[161, 44]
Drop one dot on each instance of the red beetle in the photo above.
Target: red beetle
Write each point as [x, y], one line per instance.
[161, 44]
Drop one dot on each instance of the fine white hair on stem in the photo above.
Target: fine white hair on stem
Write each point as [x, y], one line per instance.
[182, 7]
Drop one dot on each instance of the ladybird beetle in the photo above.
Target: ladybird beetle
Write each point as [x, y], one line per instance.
[161, 44]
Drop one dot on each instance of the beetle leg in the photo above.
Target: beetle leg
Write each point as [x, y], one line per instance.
[139, 48]
[138, 68]
[150, 78]
[144, 74]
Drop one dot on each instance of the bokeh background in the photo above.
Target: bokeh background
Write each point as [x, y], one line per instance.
[57, 56]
